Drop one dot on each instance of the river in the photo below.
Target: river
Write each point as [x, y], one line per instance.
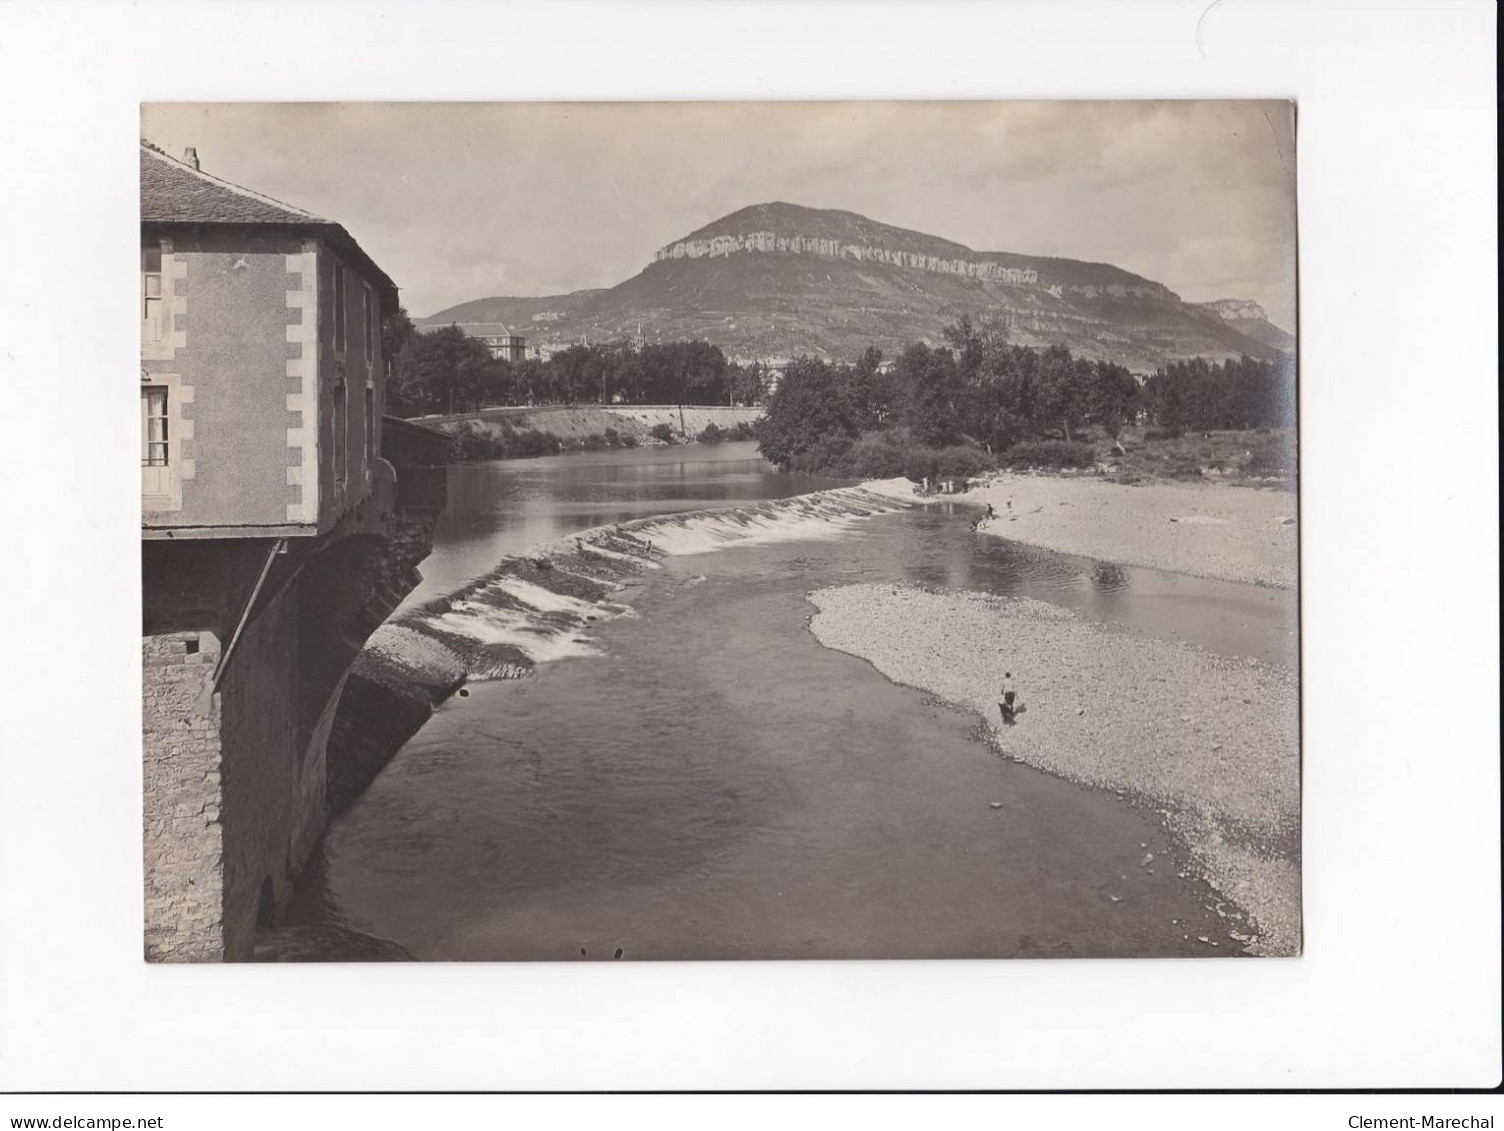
[716, 784]
[503, 507]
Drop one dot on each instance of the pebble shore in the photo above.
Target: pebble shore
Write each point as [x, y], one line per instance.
[1209, 744]
[1208, 530]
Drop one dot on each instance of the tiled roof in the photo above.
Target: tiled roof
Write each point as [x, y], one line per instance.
[174, 192]
[487, 329]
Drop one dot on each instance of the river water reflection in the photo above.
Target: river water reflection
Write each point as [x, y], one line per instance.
[503, 507]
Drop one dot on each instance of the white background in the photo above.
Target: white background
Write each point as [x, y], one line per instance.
[1399, 984]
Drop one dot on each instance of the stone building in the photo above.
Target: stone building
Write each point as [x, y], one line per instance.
[501, 340]
[275, 538]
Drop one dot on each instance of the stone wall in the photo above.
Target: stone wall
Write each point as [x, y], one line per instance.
[235, 779]
[231, 807]
[183, 835]
[265, 812]
[390, 572]
[382, 707]
[694, 418]
[379, 706]
[577, 422]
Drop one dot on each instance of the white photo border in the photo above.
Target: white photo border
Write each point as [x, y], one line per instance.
[1399, 985]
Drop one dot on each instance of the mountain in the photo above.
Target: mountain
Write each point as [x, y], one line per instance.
[1248, 318]
[779, 280]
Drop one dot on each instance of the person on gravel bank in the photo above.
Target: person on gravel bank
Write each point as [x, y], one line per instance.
[1008, 706]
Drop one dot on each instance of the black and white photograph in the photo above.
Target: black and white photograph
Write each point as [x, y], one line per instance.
[848, 530]
[739, 565]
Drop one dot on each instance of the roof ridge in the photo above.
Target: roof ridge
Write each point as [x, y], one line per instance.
[220, 182]
[507, 326]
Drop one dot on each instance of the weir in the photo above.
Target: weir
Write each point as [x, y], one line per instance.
[538, 607]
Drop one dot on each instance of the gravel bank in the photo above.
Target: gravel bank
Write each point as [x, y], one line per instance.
[1209, 743]
[1209, 530]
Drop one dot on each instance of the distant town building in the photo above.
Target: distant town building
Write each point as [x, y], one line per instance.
[275, 538]
[504, 343]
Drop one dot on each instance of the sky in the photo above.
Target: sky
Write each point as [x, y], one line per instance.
[458, 201]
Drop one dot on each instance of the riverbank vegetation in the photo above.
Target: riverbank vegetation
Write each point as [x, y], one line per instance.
[444, 371]
[980, 401]
[713, 433]
[502, 439]
[498, 437]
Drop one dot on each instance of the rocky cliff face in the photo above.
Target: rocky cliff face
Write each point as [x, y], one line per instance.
[1249, 319]
[778, 280]
[1234, 309]
[772, 243]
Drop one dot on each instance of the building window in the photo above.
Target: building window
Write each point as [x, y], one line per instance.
[339, 307]
[340, 424]
[151, 295]
[369, 322]
[154, 426]
[370, 426]
[156, 451]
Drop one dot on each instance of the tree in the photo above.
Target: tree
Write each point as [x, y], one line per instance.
[500, 383]
[440, 371]
[529, 381]
[1063, 390]
[998, 389]
[964, 339]
[748, 383]
[396, 329]
[702, 369]
[1114, 399]
[579, 373]
[1017, 413]
[936, 395]
[629, 376]
[1240, 393]
[809, 408]
[872, 390]
[1207, 395]
[680, 373]
[1272, 392]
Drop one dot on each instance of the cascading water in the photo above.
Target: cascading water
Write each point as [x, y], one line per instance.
[537, 608]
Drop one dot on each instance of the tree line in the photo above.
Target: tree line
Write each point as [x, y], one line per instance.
[444, 371]
[981, 391]
[1197, 396]
[976, 391]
